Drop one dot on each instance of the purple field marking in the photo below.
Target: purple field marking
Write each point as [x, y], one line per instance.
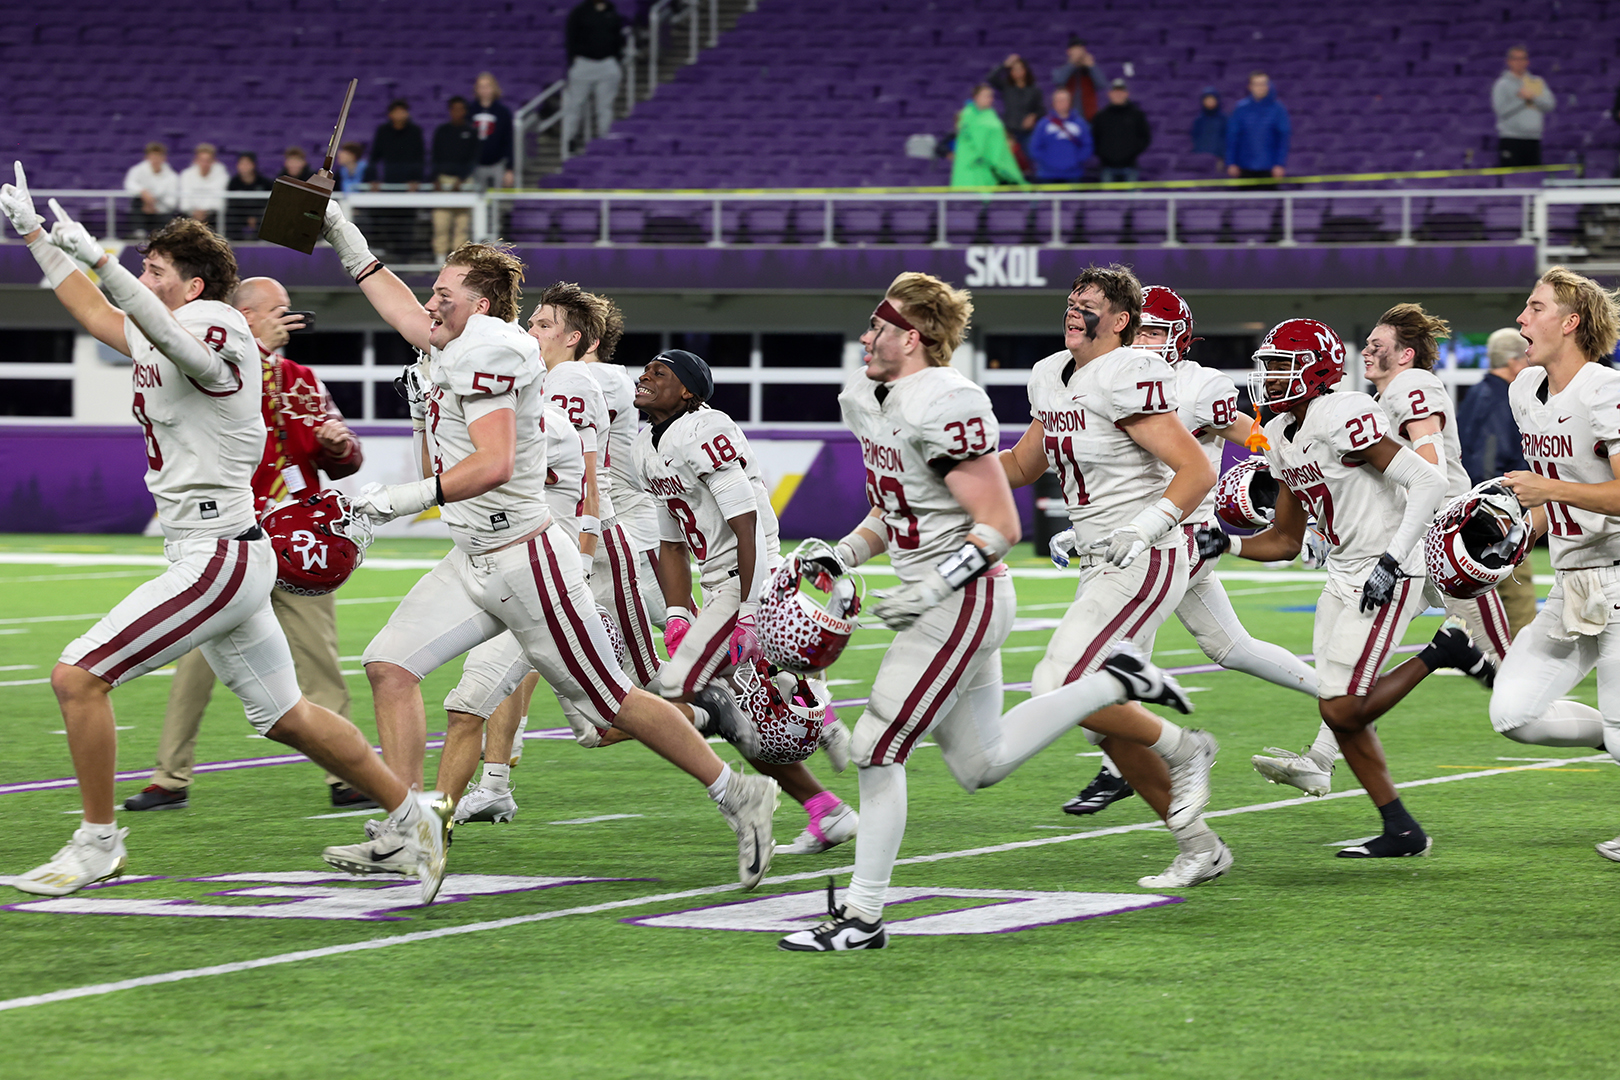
[538, 733]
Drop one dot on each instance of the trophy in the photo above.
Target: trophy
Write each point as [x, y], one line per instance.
[296, 209]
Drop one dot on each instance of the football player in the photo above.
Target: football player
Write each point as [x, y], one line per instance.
[1399, 360]
[942, 509]
[1373, 500]
[1567, 405]
[511, 568]
[1208, 407]
[204, 438]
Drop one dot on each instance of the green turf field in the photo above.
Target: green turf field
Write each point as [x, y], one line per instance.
[1493, 957]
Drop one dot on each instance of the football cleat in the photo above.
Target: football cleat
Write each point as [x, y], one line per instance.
[482, 804]
[428, 841]
[835, 742]
[1296, 770]
[1391, 846]
[1143, 682]
[83, 861]
[835, 827]
[1191, 868]
[1105, 790]
[747, 806]
[345, 797]
[840, 933]
[1453, 648]
[1189, 777]
[1609, 849]
[727, 719]
[383, 852]
[158, 797]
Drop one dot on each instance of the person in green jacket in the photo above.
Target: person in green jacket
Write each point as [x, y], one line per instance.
[983, 158]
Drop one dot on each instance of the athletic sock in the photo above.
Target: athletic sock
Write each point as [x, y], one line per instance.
[405, 814]
[883, 825]
[1195, 837]
[1168, 745]
[100, 831]
[1031, 726]
[1396, 819]
[717, 790]
[700, 717]
[496, 777]
[817, 807]
[1325, 750]
[1110, 768]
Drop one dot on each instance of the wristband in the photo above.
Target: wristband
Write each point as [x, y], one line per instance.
[1157, 520]
[853, 550]
[438, 489]
[589, 524]
[57, 264]
[747, 609]
[1234, 544]
[963, 565]
[994, 544]
[678, 613]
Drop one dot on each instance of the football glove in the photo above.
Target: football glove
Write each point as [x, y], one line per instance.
[1211, 542]
[744, 646]
[678, 621]
[899, 608]
[1380, 586]
[1122, 546]
[1317, 548]
[347, 240]
[412, 385]
[74, 239]
[1061, 548]
[18, 205]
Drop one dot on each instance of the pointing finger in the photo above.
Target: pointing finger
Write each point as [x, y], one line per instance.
[61, 214]
[22, 181]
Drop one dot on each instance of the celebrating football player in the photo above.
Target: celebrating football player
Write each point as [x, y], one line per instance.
[1567, 405]
[511, 568]
[1208, 407]
[204, 437]
[1373, 519]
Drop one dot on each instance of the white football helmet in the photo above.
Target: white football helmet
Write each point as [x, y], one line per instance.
[1477, 540]
[788, 709]
[798, 632]
[1246, 496]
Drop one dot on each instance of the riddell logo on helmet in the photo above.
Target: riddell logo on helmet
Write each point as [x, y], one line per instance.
[824, 618]
[310, 548]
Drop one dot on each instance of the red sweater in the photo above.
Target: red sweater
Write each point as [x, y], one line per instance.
[295, 403]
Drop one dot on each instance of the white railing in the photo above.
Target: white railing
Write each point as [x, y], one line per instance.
[668, 13]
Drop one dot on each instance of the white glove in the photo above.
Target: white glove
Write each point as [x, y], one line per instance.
[1317, 548]
[347, 240]
[899, 608]
[18, 205]
[1122, 546]
[382, 503]
[414, 386]
[1062, 548]
[74, 239]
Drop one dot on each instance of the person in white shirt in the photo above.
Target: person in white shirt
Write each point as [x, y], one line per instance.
[202, 186]
[156, 188]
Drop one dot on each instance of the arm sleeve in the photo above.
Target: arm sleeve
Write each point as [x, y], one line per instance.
[1425, 491]
[733, 491]
[132, 186]
[1545, 100]
[1285, 135]
[207, 368]
[1142, 385]
[958, 427]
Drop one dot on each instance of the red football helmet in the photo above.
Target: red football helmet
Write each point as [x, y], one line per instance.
[318, 542]
[789, 710]
[1477, 540]
[1315, 355]
[796, 631]
[1165, 308]
[1246, 496]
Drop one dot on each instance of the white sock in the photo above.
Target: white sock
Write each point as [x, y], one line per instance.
[1325, 750]
[700, 716]
[883, 825]
[1271, 662]
[405, 814]
[517, 736]
[717, 790]
[1110, 768]
[496, 777]
[1169, 742]
[101, 831]
[1566, 723]
[1031, 726]
[1194, 837]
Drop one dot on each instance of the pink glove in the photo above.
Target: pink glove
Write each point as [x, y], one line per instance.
[744, 647]
[677, 622]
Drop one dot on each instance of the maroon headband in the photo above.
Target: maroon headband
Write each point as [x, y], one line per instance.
[886, 312]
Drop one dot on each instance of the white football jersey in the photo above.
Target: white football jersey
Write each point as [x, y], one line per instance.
[1357, 508]
[1570, 436]
[492, 365]
[1208, 404]
[1107, 478]
[565, 470]
[630, 504]
[570, 388]
[1416, 394]
[682, 464]
[203, 443]
[912, 431]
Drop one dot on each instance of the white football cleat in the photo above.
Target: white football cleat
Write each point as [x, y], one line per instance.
[1189, 777]
[1610, 849]
[1296, 770]
[747, 806]
[83, 861]
[835, 742]
[427, 841]
[1191, 868]
[482, 804]
[837, 827]
[842, 932]
[383, 852]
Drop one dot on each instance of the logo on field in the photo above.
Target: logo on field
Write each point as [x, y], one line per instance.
[306, 544]
[986, 911]
[999, 264]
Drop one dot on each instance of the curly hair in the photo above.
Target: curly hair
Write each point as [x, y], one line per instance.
[1417, 330]
[197, 252]
[937, 309]
[579, 311]
[1120, 287]
[494, 273]
[612, 327]
[1598, 310]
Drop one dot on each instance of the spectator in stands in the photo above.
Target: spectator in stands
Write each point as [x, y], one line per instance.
[1082, 77]
[1491, 447]
[1060, 145]
[397, 151]
[595, 39]
[1209, 128]
[493, 122]
[351, 167]
[242, 215]
[1522, 102]
[1258, 133]
[295, 164]
[983, 155]
[455, 155]
[202, 187]
[156, 188]
[1121, 134]
[1020, 97]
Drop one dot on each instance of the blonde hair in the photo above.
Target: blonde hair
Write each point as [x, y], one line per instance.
[1595, 307]
[1504, 346]
[494, 273]
[1417, 330]
[579, 311]
[612, 327]
[936, 309]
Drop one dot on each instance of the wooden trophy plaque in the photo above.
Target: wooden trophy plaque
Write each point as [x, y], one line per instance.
[296, 209]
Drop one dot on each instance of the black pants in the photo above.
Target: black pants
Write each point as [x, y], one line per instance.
[1257, 174]
[1512, 153]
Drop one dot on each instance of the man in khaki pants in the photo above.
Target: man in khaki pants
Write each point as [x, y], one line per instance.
[305, 434]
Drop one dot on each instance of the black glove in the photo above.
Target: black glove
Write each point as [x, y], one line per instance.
[1211, 542]
[1380, 585]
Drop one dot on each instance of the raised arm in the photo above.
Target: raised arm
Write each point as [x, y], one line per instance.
[391, 297]
[82, 299]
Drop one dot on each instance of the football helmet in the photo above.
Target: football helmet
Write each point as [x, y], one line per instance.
[1165, 308]
[1315, 355]
[318, 542]
[797, 632]
[788, 709]
[1477, 540]
[1246, 497]
[615, 635]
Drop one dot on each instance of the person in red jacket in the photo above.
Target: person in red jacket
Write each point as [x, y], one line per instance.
[305, 436]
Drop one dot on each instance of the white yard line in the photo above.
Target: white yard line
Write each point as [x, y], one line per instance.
[184, 974]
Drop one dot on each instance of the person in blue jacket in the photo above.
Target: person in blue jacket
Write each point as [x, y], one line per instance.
[1209, 128]
[1258, 133]
[1060, 145]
